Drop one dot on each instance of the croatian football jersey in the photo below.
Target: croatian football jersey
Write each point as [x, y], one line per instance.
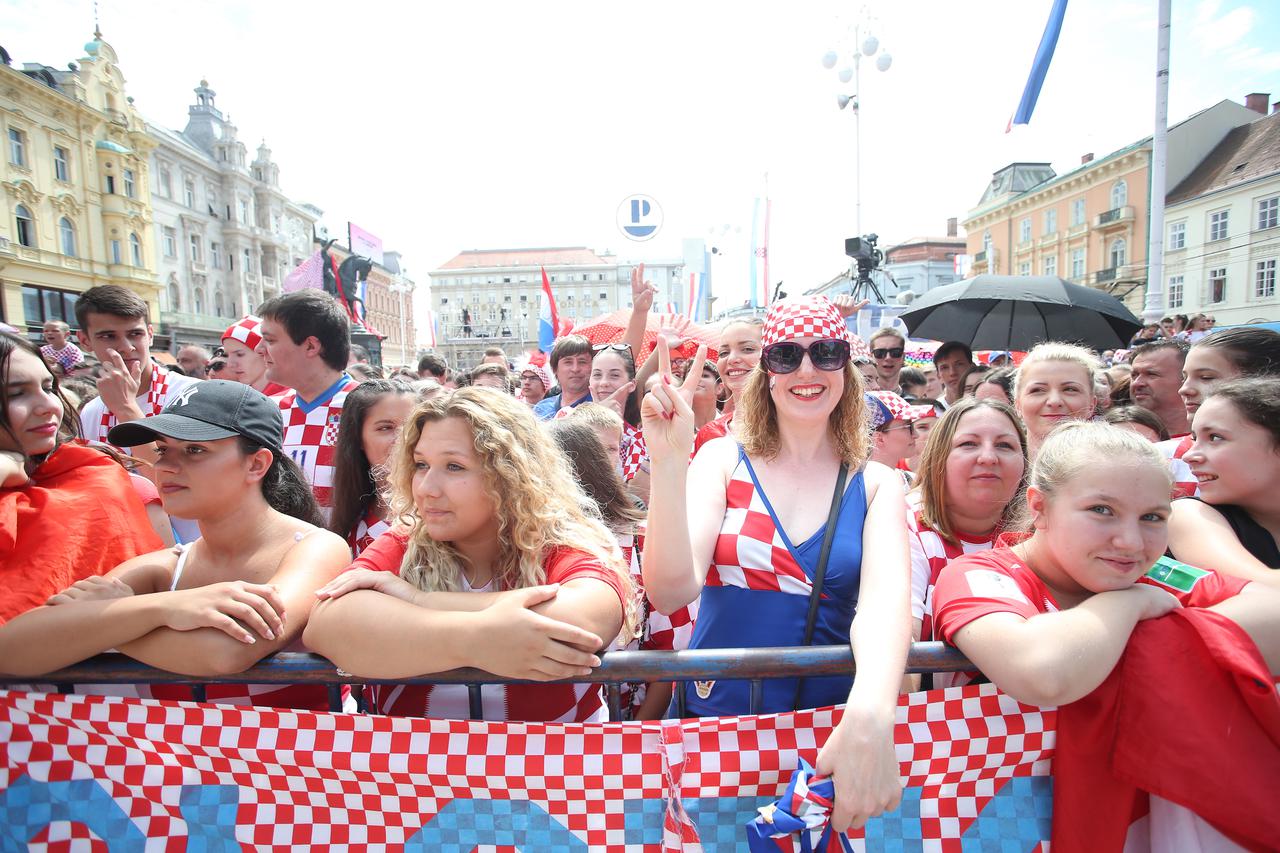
[1185, 484]
[310, 433]
[96, 419]
[930, 554]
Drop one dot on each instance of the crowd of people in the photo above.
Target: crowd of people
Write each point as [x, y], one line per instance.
[795, 486]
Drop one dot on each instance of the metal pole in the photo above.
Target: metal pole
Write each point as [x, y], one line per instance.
[1154, 307]
[857, 129]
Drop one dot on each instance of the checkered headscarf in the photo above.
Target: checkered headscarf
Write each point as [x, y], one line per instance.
[247, 330]
[803, 317]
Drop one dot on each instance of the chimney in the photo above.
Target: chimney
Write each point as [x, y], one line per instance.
[1087, 158]
[1257, 101]
[1275, 108]
[951, 227]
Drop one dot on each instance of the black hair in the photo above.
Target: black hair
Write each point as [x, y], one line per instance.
[1137, 415]
[1001, 377]
[1257, 400]
[631, 409]
[1253, 351]
[953, 346]
[313, 314]
[596, 473]
[109, 299]
[980, 369]
[912, 376]
[433, 364]
[10, 343]
[354, 487]
[284, 487]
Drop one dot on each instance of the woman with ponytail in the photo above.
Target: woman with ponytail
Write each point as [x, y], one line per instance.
[218, 605]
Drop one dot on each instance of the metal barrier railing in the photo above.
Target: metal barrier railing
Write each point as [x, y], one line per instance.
[753, 665]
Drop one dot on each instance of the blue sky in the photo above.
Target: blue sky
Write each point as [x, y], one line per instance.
[486, 125]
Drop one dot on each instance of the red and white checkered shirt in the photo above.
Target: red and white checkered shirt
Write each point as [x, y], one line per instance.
[368, 529]
[633, 450]
[69, 356]
[1185, 484]
[750, 552]
[930, 554]
[96, 419]
[310, 433]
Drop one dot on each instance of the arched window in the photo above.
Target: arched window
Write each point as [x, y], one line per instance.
[217, 303]
[1119, 253]
[26, 227]
[1119, 194]
[175, 297]
[986, 243]
[68, 234]
[199, 301]
[135, 249]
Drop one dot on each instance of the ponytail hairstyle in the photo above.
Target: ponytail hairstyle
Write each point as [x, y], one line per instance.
[284, 487]
[1076, 446]
[1253, 351]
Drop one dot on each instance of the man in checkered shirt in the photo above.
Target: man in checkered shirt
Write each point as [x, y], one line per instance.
[306, 342]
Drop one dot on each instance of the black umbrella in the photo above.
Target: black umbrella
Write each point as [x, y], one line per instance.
[1016, 312]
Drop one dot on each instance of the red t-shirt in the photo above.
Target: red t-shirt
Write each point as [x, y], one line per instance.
[716, 429]
[573, 703]
[998, 581]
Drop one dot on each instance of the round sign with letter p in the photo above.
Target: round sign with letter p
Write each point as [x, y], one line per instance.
[639, 217]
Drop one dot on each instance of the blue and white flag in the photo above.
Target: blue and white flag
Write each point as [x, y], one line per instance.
[1040, 67]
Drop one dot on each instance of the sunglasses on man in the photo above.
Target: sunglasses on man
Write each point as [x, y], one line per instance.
[887, 352]
[786, 356]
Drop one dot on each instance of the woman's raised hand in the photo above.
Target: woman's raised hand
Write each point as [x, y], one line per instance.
[229, 607]
[667, 410]
[617, 401]
[642, 292]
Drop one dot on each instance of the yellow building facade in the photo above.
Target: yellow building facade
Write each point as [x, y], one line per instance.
[76, 200]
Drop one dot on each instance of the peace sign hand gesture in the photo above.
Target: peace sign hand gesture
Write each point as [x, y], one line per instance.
[642, 292]
[667, 410]
[617, 401]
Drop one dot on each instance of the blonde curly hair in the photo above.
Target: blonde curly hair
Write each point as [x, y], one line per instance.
[537, 499]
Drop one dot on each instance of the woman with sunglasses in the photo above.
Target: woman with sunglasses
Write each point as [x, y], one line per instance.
[752, 543]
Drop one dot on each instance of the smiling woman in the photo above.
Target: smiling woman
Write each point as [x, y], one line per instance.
[1053, 385]
[217, 605]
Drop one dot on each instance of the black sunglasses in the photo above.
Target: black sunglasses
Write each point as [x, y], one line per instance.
[786, 356]
[887, 352]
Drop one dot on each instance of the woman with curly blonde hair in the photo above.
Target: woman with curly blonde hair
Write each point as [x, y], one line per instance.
[499, 561]
[791, 532]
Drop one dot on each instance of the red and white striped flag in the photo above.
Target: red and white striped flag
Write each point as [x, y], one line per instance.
[308, 275]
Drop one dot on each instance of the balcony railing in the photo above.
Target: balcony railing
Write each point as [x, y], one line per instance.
[616, 668]
[1104, 276]
[189, 320]
[1114, 217]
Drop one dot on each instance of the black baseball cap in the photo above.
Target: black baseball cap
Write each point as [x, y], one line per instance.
[209, 410]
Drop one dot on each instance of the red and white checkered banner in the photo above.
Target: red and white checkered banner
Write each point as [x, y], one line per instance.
[93, 772]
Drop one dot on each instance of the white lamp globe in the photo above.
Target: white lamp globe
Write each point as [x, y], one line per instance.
[846, 74]
[829, 59]
[883, 61]
[870, 45]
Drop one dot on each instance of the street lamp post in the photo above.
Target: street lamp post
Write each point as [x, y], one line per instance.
[868, 47]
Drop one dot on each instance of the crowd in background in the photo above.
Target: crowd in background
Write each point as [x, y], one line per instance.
[794, 486]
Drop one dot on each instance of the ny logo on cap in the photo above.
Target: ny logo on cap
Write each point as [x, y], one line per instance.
[184, 396]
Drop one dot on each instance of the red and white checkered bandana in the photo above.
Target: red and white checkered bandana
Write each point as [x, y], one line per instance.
[247, 330]
[899, 409]
[921, 412]
[803, 317]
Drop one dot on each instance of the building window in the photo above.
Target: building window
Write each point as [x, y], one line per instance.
[217, 303]
[128, 183]
[1218, 223]
[1269, 212]
[244, 211]
[1264, 280]
[1119, 194]
[25, 227]
[1051, 265]
[199, 301]
[1177, 236]
[248, 267]
[165, 181]
[197, 249]
[1218, 285]
[135, 250]
[170, 242]
[1024, 268]
[1077, 263]
[1077, 212]
[1024, 231]
[68, 235]
[61, 164]
[1050, 222]
[41, 304]
[111, 184]
[1175, 291]
[189, 194]
[603, 296]
[17, 147]
[116, 256]
[1119, 253]
[215, 255]
[524, 297]
[986, 244]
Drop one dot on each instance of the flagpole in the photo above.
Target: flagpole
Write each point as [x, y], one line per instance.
[1153, 309]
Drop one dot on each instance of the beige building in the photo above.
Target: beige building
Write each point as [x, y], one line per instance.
[77, 188]
[1222, 229]
[1089, 226]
